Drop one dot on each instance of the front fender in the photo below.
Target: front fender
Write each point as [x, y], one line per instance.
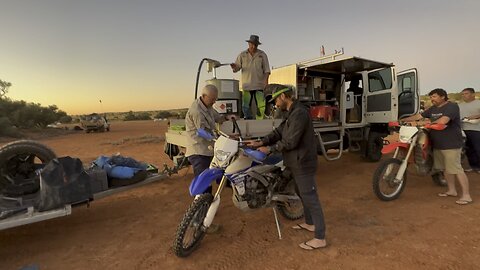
[201, 182]
[392, 146]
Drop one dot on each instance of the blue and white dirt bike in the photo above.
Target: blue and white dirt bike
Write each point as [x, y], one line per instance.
[257, 182]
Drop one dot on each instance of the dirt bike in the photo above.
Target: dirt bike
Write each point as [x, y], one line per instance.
[257, 182]
[413, 147]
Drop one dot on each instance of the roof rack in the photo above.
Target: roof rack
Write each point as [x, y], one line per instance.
[322, 59]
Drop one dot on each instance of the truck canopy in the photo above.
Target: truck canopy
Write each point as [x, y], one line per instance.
[344, 65]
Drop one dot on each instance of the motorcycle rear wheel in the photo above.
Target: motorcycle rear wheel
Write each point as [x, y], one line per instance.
[384, 185]
[191, 231]
[291, 210]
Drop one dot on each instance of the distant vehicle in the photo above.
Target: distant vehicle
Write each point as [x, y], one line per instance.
[94, 122]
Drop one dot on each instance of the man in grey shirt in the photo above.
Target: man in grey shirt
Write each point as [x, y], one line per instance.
[255, 72]
[470, 115]
[202, 115]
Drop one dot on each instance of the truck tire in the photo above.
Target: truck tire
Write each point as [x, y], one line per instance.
[374, 146]
[171, 150]
[19, 161]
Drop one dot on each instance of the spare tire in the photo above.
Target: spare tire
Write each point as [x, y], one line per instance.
[19, 162]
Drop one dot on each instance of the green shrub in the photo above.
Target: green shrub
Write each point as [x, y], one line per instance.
[20, 114]
[131, 116]
[6, 128]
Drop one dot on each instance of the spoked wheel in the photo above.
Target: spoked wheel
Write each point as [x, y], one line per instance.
[292, 209]
[385, 186]
[191, 230]
[19, 162]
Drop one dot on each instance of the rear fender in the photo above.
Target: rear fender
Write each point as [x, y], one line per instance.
[392, 146]
[201, 182]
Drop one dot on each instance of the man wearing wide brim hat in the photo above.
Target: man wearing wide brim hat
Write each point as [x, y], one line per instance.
[295, 139]
[255, 72]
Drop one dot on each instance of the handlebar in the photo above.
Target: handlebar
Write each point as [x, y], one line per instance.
[434, 126]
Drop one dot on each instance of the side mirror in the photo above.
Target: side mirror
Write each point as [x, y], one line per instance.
[205, 134]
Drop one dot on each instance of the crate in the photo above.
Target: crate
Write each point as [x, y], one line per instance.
[98, 180]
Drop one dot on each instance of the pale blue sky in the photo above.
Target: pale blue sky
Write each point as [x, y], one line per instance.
[144, 55]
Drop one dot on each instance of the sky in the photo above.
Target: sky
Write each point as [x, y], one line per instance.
[144, 54]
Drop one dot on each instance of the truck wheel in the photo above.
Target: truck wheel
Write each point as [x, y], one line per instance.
[19, 162]
[374, 146]
[171, 150]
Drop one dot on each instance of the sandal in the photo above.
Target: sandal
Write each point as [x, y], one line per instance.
[301, 227]
[445, 194]
[463, 202]
[306, 246]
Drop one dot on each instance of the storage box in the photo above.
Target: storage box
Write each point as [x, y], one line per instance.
[98, 179]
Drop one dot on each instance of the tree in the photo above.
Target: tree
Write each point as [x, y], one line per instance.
[4, 88]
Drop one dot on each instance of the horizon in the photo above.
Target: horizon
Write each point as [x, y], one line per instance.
[144, 56]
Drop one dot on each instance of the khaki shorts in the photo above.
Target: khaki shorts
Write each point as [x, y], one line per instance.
[448, 160]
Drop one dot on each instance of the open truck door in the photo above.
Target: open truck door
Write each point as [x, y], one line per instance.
[382, 96]
[408, 93]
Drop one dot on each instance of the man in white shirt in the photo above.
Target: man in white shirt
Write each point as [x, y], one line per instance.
[470, 115]
[255, 68]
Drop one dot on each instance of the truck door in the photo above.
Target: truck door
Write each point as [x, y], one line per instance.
[408, 96]
[382, 96]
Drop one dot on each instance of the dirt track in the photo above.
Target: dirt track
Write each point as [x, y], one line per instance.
[135, 229]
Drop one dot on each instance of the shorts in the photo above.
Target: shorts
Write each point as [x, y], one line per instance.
[448, 160]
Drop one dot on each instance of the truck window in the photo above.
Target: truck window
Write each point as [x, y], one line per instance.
[380, 80]
[406, 84]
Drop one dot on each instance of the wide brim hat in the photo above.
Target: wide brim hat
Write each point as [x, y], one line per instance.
[254, 39]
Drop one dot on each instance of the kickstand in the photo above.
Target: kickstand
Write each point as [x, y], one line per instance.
[277, 223]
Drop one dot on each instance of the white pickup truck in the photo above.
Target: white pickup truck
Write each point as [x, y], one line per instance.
[351, 101]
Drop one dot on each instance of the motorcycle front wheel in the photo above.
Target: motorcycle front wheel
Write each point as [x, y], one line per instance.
[191, 231]
[385, 186]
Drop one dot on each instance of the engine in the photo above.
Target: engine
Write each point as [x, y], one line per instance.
[250, 192]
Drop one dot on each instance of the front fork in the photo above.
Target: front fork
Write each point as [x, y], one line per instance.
[212, 210]
[403, 166]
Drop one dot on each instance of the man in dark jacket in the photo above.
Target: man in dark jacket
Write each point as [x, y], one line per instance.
[295, 138]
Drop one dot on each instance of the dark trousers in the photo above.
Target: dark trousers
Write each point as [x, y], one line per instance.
[200, 163]
[472, 149]
[307, 189]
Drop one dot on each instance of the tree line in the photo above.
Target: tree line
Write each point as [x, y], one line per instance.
[20, 114]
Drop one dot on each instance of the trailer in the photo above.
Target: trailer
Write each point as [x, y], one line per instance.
[21, 163]
[351, 100]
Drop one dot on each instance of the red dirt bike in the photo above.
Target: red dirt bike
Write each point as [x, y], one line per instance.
[413, 147]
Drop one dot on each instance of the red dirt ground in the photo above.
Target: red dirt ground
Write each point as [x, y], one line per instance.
[135, 229]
